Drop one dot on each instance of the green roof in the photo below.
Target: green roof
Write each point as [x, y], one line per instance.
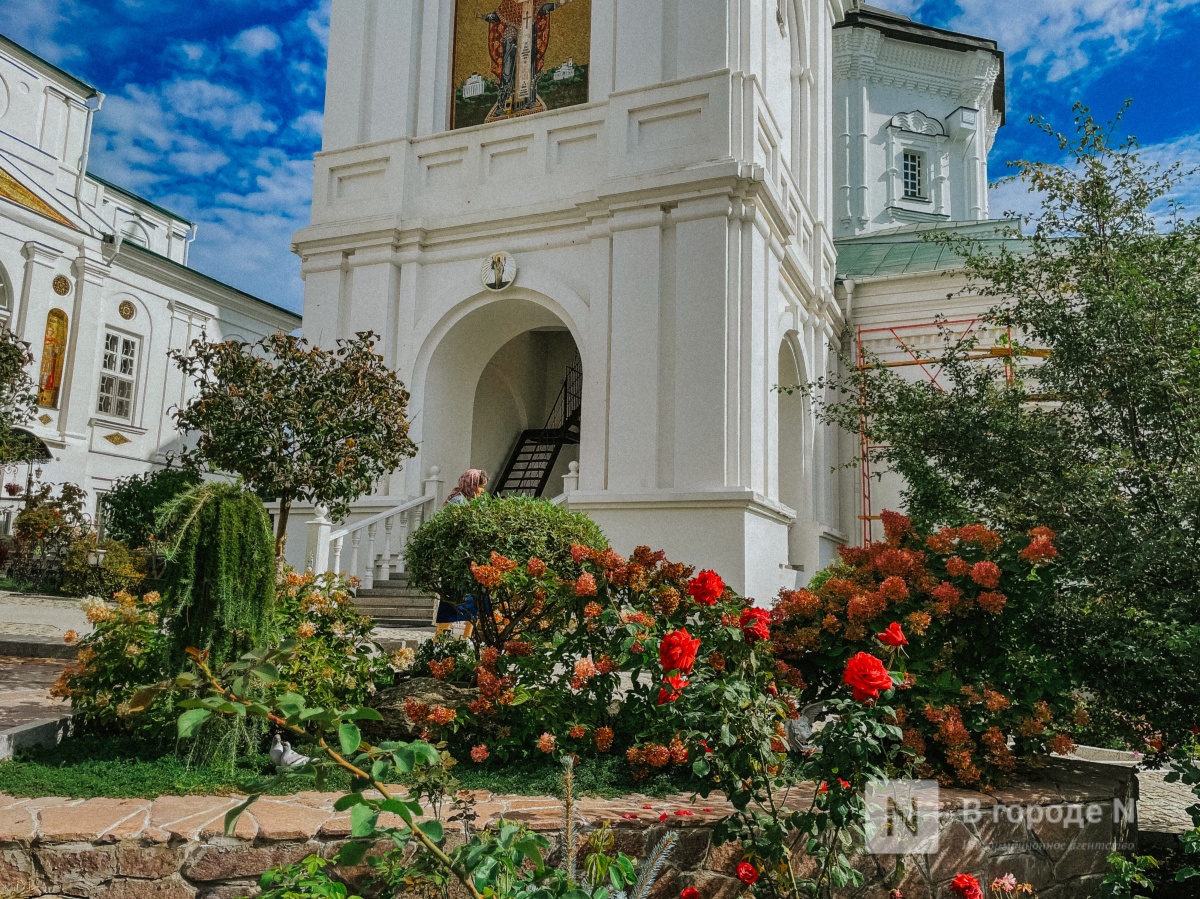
[911, 249]
[140, 199]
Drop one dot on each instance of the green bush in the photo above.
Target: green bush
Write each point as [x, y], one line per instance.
[441, 551]
[121, 569]
[219, 585]
[131, 507]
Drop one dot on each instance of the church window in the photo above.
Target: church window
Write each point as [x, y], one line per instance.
[914, 175]
[118, 376]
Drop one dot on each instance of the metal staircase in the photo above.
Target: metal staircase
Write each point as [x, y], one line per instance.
[532, 459]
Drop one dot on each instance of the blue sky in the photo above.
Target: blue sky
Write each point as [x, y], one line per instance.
[213, 108]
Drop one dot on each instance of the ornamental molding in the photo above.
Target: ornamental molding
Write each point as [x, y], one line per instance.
[117, 439]
[916, 122]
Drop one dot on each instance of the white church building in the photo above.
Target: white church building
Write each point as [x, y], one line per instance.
[596, 293]
[96, 280]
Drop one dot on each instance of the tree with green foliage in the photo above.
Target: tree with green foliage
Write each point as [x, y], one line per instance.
[296, 421]
[18, 399]
[219, 584]
[1091, 428]
[131, 507]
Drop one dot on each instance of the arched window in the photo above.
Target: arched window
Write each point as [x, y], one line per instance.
[54, 351]
[6, 294]
[135, 233]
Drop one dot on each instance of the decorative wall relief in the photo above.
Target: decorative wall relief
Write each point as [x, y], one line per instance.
[518, 57]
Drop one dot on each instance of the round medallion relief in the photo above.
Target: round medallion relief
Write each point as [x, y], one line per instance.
[499, 271]
[127, 310]
[61, 285]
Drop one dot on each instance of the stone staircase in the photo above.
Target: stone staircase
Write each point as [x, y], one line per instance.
[395, 604]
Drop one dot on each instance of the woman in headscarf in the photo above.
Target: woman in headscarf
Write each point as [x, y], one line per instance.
[471, 486]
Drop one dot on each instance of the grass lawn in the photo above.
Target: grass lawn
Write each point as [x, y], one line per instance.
[124, 768]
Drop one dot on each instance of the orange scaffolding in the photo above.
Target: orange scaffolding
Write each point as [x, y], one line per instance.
[968, 343]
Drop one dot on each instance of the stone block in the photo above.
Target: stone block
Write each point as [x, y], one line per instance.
[1027, 867]
[77, 869]
[724, 859]
[713, 886]
[228, 861]
[958, 850]
[18, 877]
[123, 888]
[691, 849]
[16, 825]
[279, 821]
[86, 821]
[151, 861]
[234, 889]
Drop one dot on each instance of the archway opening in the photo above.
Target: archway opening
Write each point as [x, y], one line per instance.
[507, 371]
[794, 453]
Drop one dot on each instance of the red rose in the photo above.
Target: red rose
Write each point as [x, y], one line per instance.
[706, 588]
[689, 893]
[677, 652]
[754, 624]
[676, 683]
[893, 636]
[966, 887]
[747, 873]
[867, 676]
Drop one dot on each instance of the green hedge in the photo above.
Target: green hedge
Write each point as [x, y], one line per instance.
[441, 551]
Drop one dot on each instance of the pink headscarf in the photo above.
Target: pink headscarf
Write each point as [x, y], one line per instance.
[470, 485]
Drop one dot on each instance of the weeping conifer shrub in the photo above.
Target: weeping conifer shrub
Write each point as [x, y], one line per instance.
[219, 583]
[219, 595]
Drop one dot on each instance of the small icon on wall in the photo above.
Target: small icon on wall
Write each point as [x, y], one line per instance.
[499, 271]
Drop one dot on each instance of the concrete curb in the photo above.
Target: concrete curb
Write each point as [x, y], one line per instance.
[46, 734]
[31, 647]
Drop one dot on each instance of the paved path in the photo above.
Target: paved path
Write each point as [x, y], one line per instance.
[25, 690]
[30, 615]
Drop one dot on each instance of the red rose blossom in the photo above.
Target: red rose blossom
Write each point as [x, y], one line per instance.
[755, 624]
[867, 676]
[689, 893]
[893, 636]
[677, 652]
[966, 887]
[747, 873]
[706, 588]
[676, 683]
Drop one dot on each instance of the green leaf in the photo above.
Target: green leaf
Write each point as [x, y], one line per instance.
[349, 737]
[700, 768]
[268, 674]
[348, 801]
[432, 829]
[352, 853]
[363, 819]
[231, 816]
[190, 720]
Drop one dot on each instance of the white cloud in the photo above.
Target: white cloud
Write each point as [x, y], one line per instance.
[1059, 38]
[254, 42]
[36, 24]
[310, 123]
[218, 105]
[318, 22]
[193, 52]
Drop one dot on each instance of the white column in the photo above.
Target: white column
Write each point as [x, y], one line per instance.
[80, 373]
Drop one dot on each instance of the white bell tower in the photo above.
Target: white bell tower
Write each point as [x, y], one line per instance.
[667, 225]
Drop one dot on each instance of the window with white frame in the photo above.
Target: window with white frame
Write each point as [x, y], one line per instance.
[118, 376]
[914, 175]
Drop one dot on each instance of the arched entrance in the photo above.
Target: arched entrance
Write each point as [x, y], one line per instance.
[502, 392]
[794, 454]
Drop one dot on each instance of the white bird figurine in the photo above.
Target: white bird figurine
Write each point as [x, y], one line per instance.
[291, 758]
[276, 751]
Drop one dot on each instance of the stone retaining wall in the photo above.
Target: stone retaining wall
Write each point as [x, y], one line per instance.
[173, 847]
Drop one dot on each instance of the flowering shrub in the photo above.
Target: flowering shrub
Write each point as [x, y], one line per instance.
[335, 660]
[953, 608]
[123, 653]
[120, 571]
[331, 655]
[550, 684]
